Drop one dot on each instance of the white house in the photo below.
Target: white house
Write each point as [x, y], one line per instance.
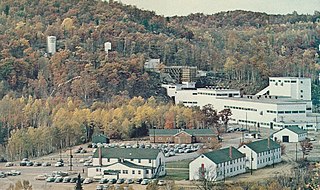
[127, 163]
[290, 134]
[261, 153]
[217, 165]
[285, 102]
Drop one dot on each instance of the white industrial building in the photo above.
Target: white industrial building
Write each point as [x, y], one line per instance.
[127, 163]
[285, 102]
[290, 134]
[261, 153]
[217, 165]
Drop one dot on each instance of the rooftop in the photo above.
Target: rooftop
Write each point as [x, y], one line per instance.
[223, 155]
[262, 145]
[172, 132]
[296, 129]
[127, 153]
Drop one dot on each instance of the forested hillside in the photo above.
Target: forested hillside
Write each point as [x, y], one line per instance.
[248, 46]
[37, 90]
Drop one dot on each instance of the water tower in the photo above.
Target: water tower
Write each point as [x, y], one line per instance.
[51, 44]
[107, 47]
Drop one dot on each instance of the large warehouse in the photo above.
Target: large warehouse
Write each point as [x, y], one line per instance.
[285, 102]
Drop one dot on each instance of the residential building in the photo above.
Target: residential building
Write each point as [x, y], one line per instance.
[218, 165]
[290, 134]
[181, 136]
[127, 163]
[261, 153]
[285, 102]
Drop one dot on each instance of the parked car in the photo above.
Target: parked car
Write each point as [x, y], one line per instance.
[161, 182]
[29, 163]
[23, 163]
[120, 181]
[73, 180]
[138, 181]
[15, 172]
[9, 164]
[103, 180]
[37, 164]
[112, 181]
[2, 174]
[41, 177]
[105, 187]
[59, 164]
[51, 179]
[145, 182]
[87, 181]
[128, 181]
[46, 164]
[83, 151]
[58, 180]
[229, 130]
[66, 179]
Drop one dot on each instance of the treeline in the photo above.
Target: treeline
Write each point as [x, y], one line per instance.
[247, 46]
[34, 127]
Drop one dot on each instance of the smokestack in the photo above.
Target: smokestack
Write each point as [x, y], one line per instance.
[230, 152]
[100, 156]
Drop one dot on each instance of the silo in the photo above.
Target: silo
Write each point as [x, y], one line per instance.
[51, 44]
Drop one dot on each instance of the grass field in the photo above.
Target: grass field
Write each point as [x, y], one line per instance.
[179, 164]
[178, 170]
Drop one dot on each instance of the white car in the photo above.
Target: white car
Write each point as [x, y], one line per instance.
[9, 164]
[161, 182]
[59, 164]
[87, 181]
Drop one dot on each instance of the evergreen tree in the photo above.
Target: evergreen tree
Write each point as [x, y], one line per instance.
[78, 184]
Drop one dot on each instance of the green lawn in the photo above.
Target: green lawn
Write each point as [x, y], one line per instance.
[178, 170]
[178, 164]
[176, 174]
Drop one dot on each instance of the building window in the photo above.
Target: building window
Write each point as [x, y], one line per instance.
[131, 159]
[125, 171]
[133, 172]
[139, 161]
[139, 171]
[147, 171]
[149, 160]
[108, 159]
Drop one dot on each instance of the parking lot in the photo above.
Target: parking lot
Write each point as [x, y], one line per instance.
[41, 168]
[173, 153]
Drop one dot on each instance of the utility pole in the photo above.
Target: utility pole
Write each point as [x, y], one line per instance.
[251, 162]
[296, 152]
[247, 121]
[71, 156]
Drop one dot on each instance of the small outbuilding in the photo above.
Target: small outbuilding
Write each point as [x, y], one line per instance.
[290, 134]
[100, 138]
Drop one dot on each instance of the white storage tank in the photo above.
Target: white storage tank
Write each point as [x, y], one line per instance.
[107, 46]
[51, 44]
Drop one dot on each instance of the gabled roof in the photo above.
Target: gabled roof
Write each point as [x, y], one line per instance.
[295, 129]
[127, 153]
[262, 145]
[126, 163]
[100, 138]
[172, 132]
[223, 155]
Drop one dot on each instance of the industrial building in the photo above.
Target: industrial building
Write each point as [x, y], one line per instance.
[285, 102]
